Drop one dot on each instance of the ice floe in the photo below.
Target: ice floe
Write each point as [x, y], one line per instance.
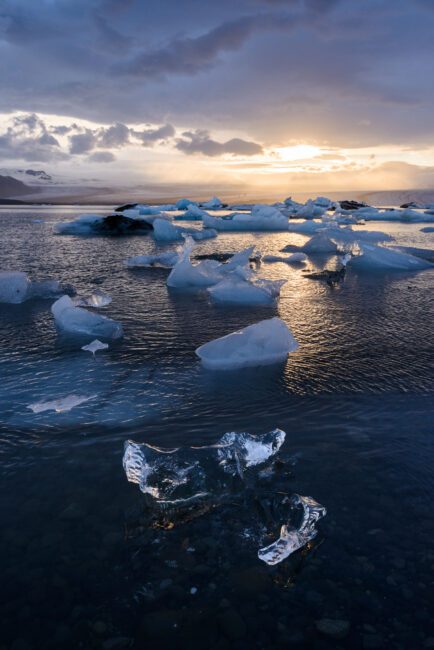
[187, 275]
[377, 258]
[165, 231]
[261, 218]
[76, 320]
[113, 224]
[16, 287]
[291, 539]
[243, 287]
[61, 405]
[163, 260]
[267, 342]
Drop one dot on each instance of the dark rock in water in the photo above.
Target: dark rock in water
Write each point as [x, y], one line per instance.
[333, 628]
[352, 205]
[127, 206]
[331, 277]
[117, 224]
[411, 204]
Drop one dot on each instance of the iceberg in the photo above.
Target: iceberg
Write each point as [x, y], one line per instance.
[162, 260]
[378, 258]
[61, 405]
[321, 243]
[306, 227]
[183, 204]
[186, 275]
[212, 204]
[75, 320]
[186, 476]
[261, 218]
[94, 347]
[267, 342]
[192, 213]
[291, 539]
[113, 224]
[295, 258]
[15, 288]
[97, 298]
[166, 231]
[243, 288]
[311, 210]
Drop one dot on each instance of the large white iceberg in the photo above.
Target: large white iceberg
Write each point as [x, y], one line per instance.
[377, 258]
[261, 218]
[242, 287]
[321, 243]
[267, 342]
[75, 320]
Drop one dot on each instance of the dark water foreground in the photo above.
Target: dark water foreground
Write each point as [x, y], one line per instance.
[81, 564]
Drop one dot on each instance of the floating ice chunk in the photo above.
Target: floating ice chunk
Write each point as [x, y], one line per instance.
[295, 258]
[267, 342]
[321, 243]
[185, 475]
[192, 213]
[60, 405]
[166, 231]
[183, 204]
[238, 451]
[14, 287]
[212, 204]
[310, 210]
[163, 260]
[262, 218]
[244, 288]
[97, 298]
[95, 346]
[292, 539]
[306, 227]
[350, 236]
[240, 259]
[186, 275]
[427, 229]
[75, 320]
[113, 224]
[377, 258]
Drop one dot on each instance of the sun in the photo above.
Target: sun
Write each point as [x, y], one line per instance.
[297, 152]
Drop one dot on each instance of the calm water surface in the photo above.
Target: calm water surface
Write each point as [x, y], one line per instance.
[80, 566]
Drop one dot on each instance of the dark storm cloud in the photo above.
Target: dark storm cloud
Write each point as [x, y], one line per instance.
[200, 142]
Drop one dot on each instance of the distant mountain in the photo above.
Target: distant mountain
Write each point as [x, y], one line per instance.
[10, 186]
[37, 173]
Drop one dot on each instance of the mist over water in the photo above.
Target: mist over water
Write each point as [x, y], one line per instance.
[355, 400]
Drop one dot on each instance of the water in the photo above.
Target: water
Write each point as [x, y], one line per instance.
[82, 567]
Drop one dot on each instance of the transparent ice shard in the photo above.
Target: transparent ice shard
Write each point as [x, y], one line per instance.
[187, 475]
[97, 298]
[293, 538]
[60, 405]
[95, 346]
[78, 321]
[238, 451]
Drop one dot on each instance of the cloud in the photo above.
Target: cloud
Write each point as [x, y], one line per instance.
[199, 141]
[28, 139]
[150, 136]
[191, 55]
[102, 157]
[114, 136]
[82, 142]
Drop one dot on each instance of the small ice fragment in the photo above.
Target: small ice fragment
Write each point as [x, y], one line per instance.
[238, 451]
[292, 539]
[193, 591]
[14, 287]
[60, 405]
[97, 298]
[95, 346]
[295, 258]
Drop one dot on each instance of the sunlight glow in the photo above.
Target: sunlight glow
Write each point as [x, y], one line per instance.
[297, 152]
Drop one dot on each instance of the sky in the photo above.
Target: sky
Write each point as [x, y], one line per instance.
[278, 95]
